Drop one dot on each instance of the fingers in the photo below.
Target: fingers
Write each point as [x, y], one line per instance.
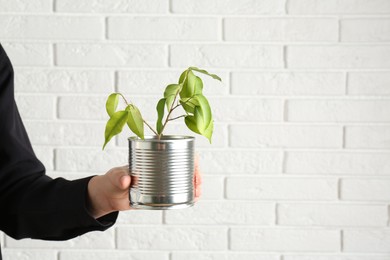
[197, 179]
[124, 182]
[120, 177]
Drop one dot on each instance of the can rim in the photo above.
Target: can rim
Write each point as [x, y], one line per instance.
[164, 138]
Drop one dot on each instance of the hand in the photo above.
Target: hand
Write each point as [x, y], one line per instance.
[110, 192]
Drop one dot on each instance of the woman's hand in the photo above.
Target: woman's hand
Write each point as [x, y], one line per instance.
[110, 192]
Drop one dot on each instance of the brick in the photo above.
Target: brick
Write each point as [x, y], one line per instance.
[250, 162]
[365, 30]
[89, 160]
[61, 133]
[224, 213]
[10, 254]
[348, 163]
[281, 29]
[139, 217]
[365, 189]
[367, 240]
[107, 6]
[172, 238]
[370, 137]
[285, 240]
[228, 7]
[222, 256]
[212, 187]
[36, 107]
[94, 108]
[254, 188]
[369, 83]
[373, 110]
[335, 257]
[111, 55]
[92, 240]
[45, 155]
[285, 136]
[239, 56]
[343, 7]
[112, 255]
[30, 6]
[78, 107]
[63, 81]
[51, 27]
[338, 57]
[28, 54]
[163, 28]
[147, 82]
[328, 215]
[288, 83]
[246, 109]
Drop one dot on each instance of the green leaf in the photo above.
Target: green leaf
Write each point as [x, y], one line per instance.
[112, 103]
[160, 114]
[200, 124]
[191, 124]
[183, 76]
[193, 85]
[170, 94]
[204, 110]
[189, 104]
[209, 131]
[135, 121]
[205, 72]
[115, 125]
[171, 90]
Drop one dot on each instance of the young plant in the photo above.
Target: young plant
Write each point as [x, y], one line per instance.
[187, 93]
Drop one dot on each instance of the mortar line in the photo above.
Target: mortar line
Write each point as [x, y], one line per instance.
[170, 5]
[339, 189]
[346, 83]
[339, 29]
[105, 31]
[286, 7]
[388, 215]
[54, 6]
[169, 62]
[222, 32]
[344, 137]
[116, 81]
[53, 50]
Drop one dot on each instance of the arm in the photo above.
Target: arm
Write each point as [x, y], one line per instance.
[32, 204]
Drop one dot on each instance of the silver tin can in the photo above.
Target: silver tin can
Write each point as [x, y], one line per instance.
[162, 172]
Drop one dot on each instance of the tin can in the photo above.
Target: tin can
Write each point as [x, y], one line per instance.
[162, 172]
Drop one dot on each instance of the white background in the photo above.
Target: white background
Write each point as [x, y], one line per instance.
[299, 168]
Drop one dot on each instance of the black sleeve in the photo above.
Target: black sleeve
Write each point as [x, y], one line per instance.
[31, 203]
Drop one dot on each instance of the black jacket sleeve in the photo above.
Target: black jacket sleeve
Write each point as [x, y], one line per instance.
[31, 203]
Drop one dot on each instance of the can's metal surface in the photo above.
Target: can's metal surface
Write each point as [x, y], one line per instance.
[162, 172]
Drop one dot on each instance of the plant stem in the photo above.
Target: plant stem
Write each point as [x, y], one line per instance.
[151, 128]
[177, 117]
[127, 103]
[169, 113]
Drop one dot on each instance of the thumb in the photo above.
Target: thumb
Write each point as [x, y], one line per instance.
[124, 182]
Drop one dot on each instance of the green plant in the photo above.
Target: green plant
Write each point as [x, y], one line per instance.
[187, 93]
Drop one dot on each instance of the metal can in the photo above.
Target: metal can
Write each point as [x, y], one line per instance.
[162, 172]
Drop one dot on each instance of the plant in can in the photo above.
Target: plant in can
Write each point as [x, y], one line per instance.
[187, 94]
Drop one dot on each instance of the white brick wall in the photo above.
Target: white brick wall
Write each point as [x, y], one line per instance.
[299, 168]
